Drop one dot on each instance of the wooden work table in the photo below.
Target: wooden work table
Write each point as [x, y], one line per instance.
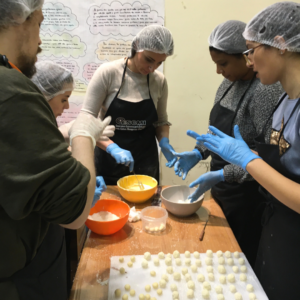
[181, 234]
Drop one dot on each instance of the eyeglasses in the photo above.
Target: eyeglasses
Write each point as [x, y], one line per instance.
[250, 52]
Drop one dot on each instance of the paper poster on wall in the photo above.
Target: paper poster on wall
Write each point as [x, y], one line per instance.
[82, 35]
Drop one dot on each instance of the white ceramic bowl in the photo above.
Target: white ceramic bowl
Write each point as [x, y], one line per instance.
[171, 195]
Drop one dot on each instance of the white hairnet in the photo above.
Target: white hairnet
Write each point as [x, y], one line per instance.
[228, 37]
[154, 38]
[15, 12]
[52, 79]
[281, 19]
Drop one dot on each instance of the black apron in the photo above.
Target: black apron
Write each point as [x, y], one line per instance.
[134, 132]
[240, 202]
[45, 277]
[278, 259]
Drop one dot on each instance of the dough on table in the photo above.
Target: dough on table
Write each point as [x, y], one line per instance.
[159, 292]
[118, 293]
[173, 287]
[125, 297]
[243, 277]
[148, 288]
[227, 254]
[241, 261]
[205, 293]
[155, 285]
[184, 271]
[156, 261]
[209, 269]
[194, 268]
[252, 296]
[211, 276]
[222, 279]
[170, 270]
[231, 278]
[219, 253]
[129, 264]
[209, 253]
[235, 269]
[121, 259]
[132, 258]
[236, 254]
[144, 264]
[190, 294]
[168, 261]
[165, 277]
[221, 269]
[147, 255]
[152, 298]
[187, 262]
[169, 255]
[176, 254]
[161, 255]
[238, 296]
[198, 262]
[208, 261]
[187, 277]
[175, 295]
[220, 297]
[232, 288]
[132, 292]
[153, 273]
[200, 277]
[196, 254]
[230, 262]
[122, 271]
[244, 269]
[221, 260]
[206, 285]
[249, 288]
[178, 261]
[219, 289]
[162, 283]
[177, 276]
[141, 297]
[191, 284]
[187, 254]
[147, 297]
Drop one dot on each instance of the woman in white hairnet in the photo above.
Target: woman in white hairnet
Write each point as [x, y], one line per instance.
[134, 94]
[273, 41]
[241, 99]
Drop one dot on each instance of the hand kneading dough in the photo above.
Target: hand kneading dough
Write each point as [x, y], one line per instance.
[219, 289]
[175, 295]
[232, 288]
[230, 262]
[159, 292]
[219, 253]
[241, 261]
[187, 277]
[211, 276]
[236, 254]
[147, 255]
[196, 254]
[190, 294]
[252, 296]
[168, 261]
[209, 253]
[178, 261]
[220, 297]
[221, 269]
[129, 264]
[155, 285]
[173, 287]
[147, 288]
[118, 293]
[156, 261]
[244, 269]
[187, 254]
[165, 277]
[141, 297]
[206, 285]
[177, 276]
[238, 296]
[243, 277]
[200, 277]
[191, 285]
[222, 279]
[198, 262]
[176, 254]
[121, 259]
[221, 261]
[144, 264]
[208, 261]
[235, 269]
[170, 270]
[187, 262]
[205, 293]
[132, 258]
[125, 297]
[153, 273]
[161, 255]
[122, 270]
[162, 283]
[132, 293]
[194, 268]
[184, 271]
[249, 288]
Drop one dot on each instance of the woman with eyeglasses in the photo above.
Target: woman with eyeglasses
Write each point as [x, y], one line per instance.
[241, 99]
[273, 39]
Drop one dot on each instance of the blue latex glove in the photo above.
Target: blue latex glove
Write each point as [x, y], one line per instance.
[100, 187]
[168, 151]
[121, 156]
[187, 160]
[233, 150]
[194, 135]
[205, 182]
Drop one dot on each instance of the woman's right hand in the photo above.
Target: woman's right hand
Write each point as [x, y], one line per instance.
[187, 160]
[121, 156]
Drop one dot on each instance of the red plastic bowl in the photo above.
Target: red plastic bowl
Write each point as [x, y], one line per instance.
[117, 207]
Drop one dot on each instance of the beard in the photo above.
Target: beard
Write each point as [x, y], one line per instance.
[26, 64]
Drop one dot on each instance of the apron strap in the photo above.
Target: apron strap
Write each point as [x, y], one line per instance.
[148, 79]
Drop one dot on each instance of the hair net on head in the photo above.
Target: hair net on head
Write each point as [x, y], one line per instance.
[278, 26]
[154, 38]
[228, 37]
[52, 79]
[15, 12]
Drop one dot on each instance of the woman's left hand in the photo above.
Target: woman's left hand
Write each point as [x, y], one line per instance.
[168, 151]
[100, 187]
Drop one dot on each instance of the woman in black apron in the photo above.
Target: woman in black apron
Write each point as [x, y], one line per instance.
[277, 168]
[137, 122]
[239, 199]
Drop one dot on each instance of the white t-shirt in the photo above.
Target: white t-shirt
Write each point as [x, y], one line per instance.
[107, 80]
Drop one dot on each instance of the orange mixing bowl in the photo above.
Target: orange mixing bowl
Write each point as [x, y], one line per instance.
[117, 207]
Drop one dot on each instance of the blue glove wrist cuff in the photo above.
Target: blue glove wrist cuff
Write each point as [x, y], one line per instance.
[198, 154]
[111, 147]
[164, 140]
[221, 173]
[248, 159]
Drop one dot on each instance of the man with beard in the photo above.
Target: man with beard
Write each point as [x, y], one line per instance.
[43, 186]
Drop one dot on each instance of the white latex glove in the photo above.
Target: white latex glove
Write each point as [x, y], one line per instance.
[88, 125]
[64, 129]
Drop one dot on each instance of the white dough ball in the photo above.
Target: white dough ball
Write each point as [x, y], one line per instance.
[184, 271]
[241, 261]
[178, 261]
[198, 262]
[249, 288]
[211, 276]
[194, 268]
[221, 260]
[147, 255]
[129, 264]
[196, 254]
[187, 254]
[147, 297]
[168, 261]
[132, 293]
[221, 269]
[209, 253]
[170, 270]
[175, 295]
[236, 254]
[162, 283]
[159, 292]
[206, 285]
[252, 296]
[244, 269]
[205, 293]
[232, 288]
[200, 277]
[222, 279]
[243, 277]
[141, 297]
[121, 259]
[219, 253]
[187, 277]
[156, 261]
[169, 255]
[122, 271]
[144, 264]
[220, 297]
[190, 294]
[230, 262]
[118, 293]
[219, 289]
[161, 255]
[177, 276]
[231, 278]
[187, 262]
[165, 277]
[191, 284]
[235, 269]
[176, 254]
[127, 287]
[173, 287]
[155, 285]
[132, 258]
[208, 261]
[147, 288]
[209, 269]
[228, 254]
[125, 297]
[238, 296]
[152, 298]
[153, 273]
